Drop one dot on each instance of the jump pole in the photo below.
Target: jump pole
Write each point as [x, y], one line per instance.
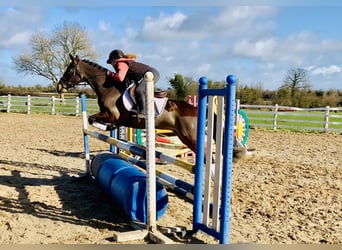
[85, 136]
[219, 227]
[150, 158]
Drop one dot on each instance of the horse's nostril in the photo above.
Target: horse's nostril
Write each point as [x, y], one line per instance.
[60, 88]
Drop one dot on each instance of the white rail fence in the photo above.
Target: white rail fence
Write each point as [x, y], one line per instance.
[326, 119]
[50, 105]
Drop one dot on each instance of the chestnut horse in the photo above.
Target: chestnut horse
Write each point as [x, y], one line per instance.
[178, 116]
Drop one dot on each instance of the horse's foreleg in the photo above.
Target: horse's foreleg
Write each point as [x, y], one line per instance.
[102, 117]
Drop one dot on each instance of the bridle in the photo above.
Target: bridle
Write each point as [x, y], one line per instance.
[66, 83]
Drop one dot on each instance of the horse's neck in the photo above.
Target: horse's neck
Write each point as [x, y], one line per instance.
[96, 77]
[93, 75]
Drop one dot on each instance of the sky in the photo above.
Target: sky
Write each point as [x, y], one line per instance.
[257, 41]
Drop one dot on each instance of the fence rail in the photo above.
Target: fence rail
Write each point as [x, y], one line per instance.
[327, 119]
[50, 105]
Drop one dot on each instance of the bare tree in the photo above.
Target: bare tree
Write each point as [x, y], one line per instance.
[296, 79]
[49, 55]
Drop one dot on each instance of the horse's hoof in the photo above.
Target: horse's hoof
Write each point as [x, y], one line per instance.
[111, 127]
[91, 119]
[239, 154]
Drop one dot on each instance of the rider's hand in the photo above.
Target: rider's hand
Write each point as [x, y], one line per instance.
[109, 73]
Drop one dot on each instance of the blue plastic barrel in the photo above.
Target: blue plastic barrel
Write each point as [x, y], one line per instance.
[126, 185]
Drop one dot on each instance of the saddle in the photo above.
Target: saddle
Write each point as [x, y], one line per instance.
[157, 94]
[160, 99]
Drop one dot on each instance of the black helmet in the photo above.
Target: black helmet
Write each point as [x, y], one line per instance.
[115, 54]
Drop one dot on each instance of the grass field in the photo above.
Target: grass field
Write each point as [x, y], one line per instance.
[298, 120]
[265, 118]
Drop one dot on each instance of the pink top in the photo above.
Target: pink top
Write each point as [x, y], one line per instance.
[121, 69]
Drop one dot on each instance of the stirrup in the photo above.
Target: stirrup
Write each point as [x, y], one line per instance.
[139, 116]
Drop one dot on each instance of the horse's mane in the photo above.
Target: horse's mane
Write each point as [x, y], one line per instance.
[95, 65]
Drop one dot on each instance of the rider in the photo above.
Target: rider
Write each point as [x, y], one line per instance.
[127, 70]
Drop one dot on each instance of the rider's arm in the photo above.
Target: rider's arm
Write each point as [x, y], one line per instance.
[122, 69]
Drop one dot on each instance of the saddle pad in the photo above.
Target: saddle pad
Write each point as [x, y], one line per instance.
[159, 103]
[127, 100]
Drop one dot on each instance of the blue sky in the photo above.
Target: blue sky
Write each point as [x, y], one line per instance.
[257, 43]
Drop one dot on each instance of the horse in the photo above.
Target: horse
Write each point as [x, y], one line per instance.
[177, 116]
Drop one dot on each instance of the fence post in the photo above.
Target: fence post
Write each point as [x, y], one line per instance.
[326, 119]
[275, 117]
[53, 101]
[77, 106]
[8, 103]
[28, 105]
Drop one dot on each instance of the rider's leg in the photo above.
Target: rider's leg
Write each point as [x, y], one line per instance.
[140, 92]
[140, 98]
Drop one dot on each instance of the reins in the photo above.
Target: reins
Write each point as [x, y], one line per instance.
[87, 79]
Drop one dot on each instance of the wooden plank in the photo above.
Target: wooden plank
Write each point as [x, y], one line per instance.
[130, 235]
[159, 238]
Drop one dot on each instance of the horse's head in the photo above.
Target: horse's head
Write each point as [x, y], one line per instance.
[71, 76]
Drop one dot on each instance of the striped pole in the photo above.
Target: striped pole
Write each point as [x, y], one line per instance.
[127, 146]
[85, 135]
[139, 150]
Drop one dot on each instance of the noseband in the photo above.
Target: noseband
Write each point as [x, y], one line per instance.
[66, 83]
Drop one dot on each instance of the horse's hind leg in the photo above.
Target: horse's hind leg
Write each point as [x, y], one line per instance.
[187, 135]
[188, 140]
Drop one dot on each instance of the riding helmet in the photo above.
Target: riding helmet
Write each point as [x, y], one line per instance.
[115, 54]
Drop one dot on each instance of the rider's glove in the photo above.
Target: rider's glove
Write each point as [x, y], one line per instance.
[109, 73]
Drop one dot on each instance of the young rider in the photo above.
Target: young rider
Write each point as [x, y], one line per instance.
[127, 69]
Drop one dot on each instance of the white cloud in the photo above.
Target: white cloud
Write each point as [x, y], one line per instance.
[263, 49]
[204, 69]
[224, 22]
[242, 15]
[104, 26]
[162, 27]
[17, 25]
[332, 69]
[17, 39]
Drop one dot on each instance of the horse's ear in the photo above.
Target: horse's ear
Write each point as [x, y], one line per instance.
[74, 59]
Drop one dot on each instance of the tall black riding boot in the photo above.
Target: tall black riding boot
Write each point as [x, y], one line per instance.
[140, 98]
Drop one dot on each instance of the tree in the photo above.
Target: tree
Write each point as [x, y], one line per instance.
[50, 54]
[296, 79]
[250, 95]
[181, 86]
